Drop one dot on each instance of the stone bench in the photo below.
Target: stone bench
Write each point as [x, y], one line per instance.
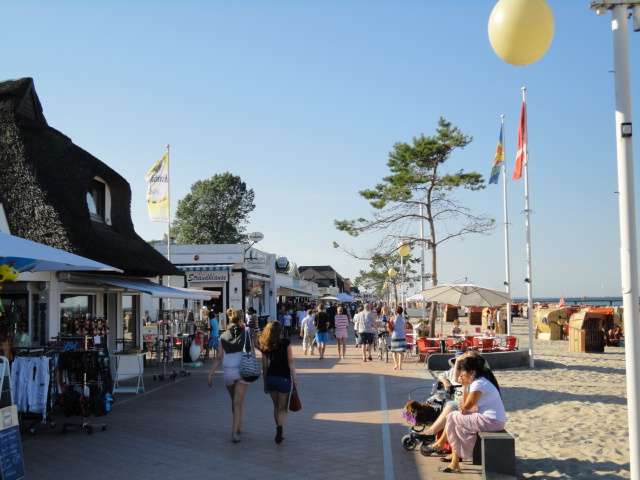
[496, 452]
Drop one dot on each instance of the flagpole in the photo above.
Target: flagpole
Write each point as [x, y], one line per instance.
[169, 217]
[507, 267]
[527, 223]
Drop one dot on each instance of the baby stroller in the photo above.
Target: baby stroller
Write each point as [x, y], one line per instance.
[420, 415]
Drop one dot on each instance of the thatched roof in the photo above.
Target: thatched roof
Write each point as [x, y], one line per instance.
[44, 183]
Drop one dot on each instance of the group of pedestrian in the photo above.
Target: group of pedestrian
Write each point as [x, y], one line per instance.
[278, 368]
[368, 323]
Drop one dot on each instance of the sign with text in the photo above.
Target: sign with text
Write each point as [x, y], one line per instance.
[11, 460]
[207, 276]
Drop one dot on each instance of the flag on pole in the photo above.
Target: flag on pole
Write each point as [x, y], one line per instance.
[157, 179]
[497, 160]
[521, 156]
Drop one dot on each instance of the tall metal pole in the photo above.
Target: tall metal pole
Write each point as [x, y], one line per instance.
[422, 279]
[527, 225]
[626, 205]
[402, 284]
[168, 217]
[507, 268]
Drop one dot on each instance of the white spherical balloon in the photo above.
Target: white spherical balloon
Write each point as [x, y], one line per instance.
[521, 31]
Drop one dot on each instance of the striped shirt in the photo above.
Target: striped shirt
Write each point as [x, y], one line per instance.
[342, 322]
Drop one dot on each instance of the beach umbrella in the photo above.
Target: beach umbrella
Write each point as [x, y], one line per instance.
[466, 295]
[27, 256]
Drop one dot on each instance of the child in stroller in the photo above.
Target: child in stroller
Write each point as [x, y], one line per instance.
[421, 415]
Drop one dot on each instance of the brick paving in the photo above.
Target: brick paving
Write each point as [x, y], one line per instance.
[181, 430]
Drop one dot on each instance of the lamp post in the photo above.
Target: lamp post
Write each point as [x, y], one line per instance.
[626, 205]
[392, 275]
[403, 250]
[520, 33]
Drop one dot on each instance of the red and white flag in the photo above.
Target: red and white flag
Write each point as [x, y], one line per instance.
[521, 156]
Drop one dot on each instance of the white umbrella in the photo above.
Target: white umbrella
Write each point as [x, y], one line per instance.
[329, 298]
[466, 295]
[418, 297]
[25, 255]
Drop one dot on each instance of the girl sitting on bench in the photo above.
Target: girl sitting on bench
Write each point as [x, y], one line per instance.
[482, 410]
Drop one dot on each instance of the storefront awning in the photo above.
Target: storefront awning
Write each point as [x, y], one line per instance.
[139, 285]
[156, 290]
[205, 268]
[291, 292]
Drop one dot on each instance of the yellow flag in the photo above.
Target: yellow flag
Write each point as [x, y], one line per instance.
[157, 179]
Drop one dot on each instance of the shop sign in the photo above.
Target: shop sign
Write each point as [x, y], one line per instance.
[282, 263]
[211, 276]
[11, 460]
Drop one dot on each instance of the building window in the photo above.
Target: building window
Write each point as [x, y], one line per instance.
[97, 200]
[76, 315]
[130, 321]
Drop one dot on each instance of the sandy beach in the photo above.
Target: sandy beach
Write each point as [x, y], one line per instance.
[569, 415]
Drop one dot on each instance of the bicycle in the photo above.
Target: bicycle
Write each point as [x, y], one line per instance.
[383, 345]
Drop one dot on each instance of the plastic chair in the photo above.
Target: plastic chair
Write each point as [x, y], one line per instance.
[454, 344]
[426, 347]
[484, 344]
[510, 344]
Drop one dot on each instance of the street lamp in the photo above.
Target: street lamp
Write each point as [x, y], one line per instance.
[403, 250]
[521, 31]
[626, 205]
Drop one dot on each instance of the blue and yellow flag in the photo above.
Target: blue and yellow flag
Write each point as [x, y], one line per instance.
[497, 160]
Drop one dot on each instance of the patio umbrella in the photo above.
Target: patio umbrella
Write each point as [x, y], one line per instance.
[25, 255]
[329, 298]
[466, 295]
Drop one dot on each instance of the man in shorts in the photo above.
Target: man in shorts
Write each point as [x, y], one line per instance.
[322, 323]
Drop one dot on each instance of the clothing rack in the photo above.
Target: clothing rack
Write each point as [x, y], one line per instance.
[40, 418]
[82, 380]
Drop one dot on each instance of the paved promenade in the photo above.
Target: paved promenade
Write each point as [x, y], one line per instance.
[181, 430]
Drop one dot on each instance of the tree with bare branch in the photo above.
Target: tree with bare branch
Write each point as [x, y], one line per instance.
[418, 189]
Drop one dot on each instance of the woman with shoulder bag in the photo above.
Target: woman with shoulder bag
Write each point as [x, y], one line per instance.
[233, 342]
[278, 372]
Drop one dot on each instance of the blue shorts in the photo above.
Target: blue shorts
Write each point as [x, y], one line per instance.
[213, 342]
[322, 337]
[278, 384]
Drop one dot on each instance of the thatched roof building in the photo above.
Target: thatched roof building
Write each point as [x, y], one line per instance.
[56, 193]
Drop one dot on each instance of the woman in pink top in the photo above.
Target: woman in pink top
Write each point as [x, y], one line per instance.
[342, 323]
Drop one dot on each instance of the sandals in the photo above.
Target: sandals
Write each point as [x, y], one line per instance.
[428, 450]
[450, 470]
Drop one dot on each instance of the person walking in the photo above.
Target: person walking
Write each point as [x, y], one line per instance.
[342, 325]
[286, 323]
[233, 342]
[321, 322]
[366, 327]
[279, 372]
[356, 320]
[214, 334]
[308, 333]
[398, 339]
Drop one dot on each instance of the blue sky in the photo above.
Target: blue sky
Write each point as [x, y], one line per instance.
[304, 100]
